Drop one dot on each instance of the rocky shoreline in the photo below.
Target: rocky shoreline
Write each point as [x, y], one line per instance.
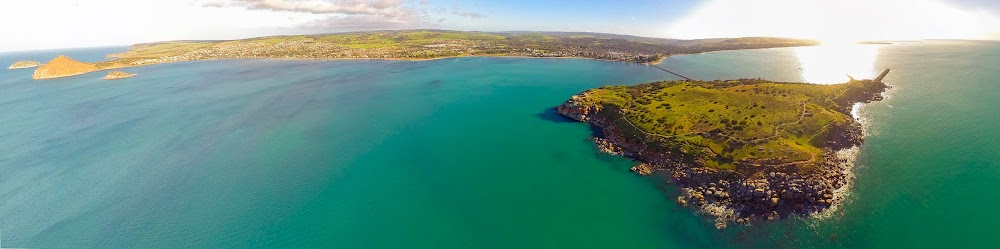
[763, 192]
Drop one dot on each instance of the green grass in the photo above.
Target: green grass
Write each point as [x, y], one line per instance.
[169, 48]
[536, 37]
[422, 37]
[370, 45]
[271, 40]
[417, 44]
[722, 122]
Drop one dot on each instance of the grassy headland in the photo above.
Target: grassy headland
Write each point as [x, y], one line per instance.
[738, 148]
[723, 124]
[431, 44]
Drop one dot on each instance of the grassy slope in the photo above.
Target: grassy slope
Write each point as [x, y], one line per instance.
[719, 123]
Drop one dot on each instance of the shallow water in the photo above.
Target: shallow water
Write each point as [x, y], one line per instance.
[456, 153]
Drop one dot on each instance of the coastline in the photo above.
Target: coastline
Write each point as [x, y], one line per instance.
[657, 62]
[421, 45]
[345, 59]
[110, 65]
[773, 192]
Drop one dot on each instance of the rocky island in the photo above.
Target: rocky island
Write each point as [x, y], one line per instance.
[24, 64]
[62, 66]
[419, 45]
[739, 150]
[114, 75]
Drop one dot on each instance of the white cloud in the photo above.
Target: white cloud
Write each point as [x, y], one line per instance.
[469, 14]
[406, 20]
[455, 9]
[350, 7]
[339, 15]
[72, 23]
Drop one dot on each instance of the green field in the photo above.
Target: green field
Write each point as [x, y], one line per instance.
[428, 44]
[729, 124]
[422, 44]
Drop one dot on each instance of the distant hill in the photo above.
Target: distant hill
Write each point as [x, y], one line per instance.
[62, 66]
[428, 44]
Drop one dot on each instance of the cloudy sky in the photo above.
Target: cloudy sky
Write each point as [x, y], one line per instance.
[47, 24]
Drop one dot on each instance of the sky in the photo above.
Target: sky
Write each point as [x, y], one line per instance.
[50, 24]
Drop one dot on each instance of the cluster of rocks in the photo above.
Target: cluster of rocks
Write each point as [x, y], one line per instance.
[762, 196]
[844, 136]
[576, 110]
[606, 146]
[643, 169]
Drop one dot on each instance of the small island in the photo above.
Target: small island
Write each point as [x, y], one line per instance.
[114, 75]
[739, 150]
[24, 64]
[62, 66]
[421, 45]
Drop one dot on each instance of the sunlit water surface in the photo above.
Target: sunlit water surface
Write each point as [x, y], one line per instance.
[830, 64]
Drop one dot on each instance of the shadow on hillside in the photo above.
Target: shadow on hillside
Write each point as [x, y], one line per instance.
[550, 114]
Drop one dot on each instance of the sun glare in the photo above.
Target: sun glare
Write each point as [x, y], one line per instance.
[840, 25]
[836, 21]
[837, 62]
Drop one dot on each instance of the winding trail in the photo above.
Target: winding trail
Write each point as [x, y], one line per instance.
[776, 133]
[779, 128]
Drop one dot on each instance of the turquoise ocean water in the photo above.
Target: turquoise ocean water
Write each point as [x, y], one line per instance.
[459, 153]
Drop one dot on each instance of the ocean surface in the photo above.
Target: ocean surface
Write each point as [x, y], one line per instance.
[461, 153]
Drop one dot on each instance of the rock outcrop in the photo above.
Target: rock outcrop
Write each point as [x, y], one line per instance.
[63, 66]
[24, 64]
[118, 75]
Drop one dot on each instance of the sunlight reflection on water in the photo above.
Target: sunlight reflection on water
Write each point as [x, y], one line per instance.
[830, 64]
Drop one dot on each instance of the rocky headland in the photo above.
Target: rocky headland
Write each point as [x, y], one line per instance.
[723, 168]
[114, 75]
[24, 64]
[63, 66]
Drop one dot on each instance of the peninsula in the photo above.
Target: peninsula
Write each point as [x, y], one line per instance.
[24, 64]
[739, 150]
[421, 45]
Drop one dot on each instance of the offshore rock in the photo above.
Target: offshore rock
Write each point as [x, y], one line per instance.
[24, 64]
[118, 75]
